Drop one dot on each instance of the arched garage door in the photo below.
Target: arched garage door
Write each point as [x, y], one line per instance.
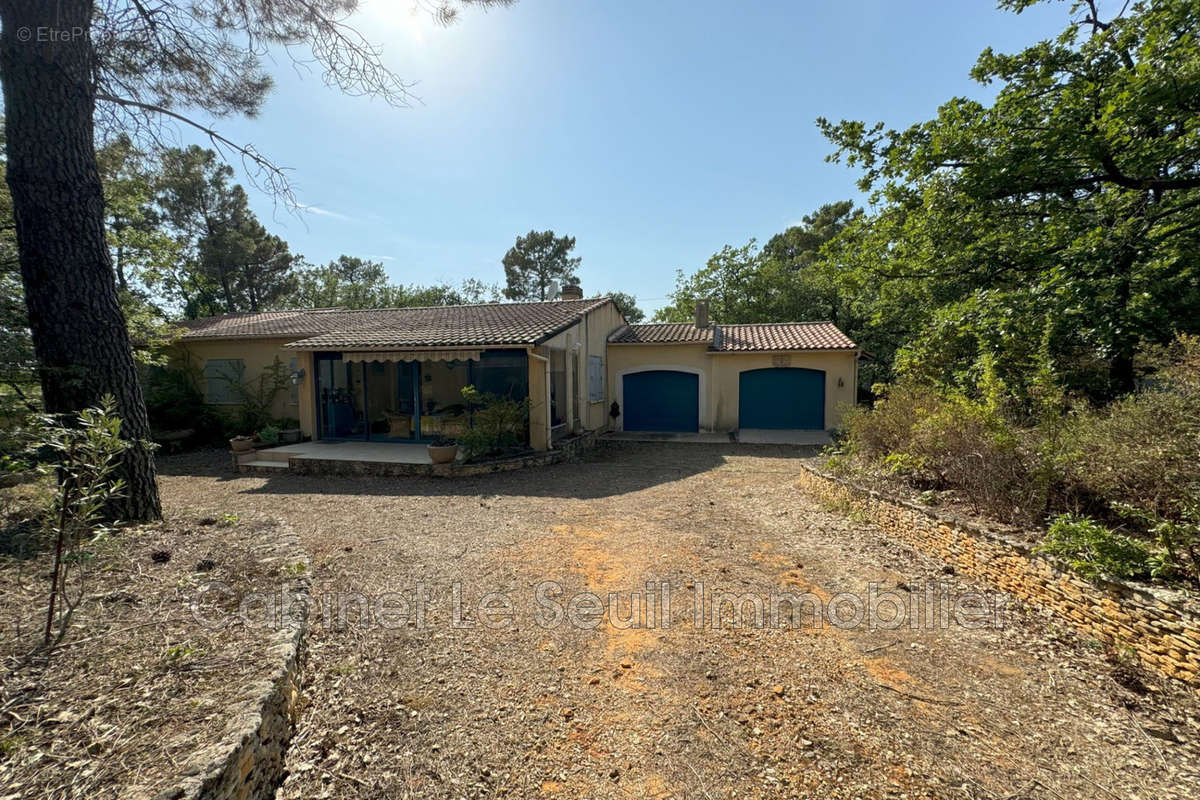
[782, 398]
[661, 400]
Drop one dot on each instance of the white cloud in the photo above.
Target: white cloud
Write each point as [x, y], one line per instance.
[323, 212]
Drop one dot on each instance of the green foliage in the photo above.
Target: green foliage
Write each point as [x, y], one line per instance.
[627, 303]
[173, 402]
[1131, 463]
[350, 282]
[497, 424]
[84, 454]
[535, 261]
[1094, 551]
[256, 398]
[269, 435]
[1142, 450]
[227, 261]
[787, 280]
[1073, 196]
[1178, 539]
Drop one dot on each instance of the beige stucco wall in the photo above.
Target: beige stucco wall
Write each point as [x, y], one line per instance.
[836, 366]
[623, 358]
[597, 327]
[591, 334]
[719, 376]
[256, 354]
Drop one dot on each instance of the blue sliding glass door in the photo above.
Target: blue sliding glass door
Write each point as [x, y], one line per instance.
[340, 410]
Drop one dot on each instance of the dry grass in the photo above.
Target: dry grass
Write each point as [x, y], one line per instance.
[138, 686]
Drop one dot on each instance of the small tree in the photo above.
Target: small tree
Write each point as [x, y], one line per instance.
[535, 261]
[628, 306]
[256, 398]
[497, 423]
[85, 454]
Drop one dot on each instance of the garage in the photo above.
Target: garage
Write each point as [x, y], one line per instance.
[661, 400]
[782, 398]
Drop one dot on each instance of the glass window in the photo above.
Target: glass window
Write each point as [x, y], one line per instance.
[222, 378]
[502, 372]
[558, 385]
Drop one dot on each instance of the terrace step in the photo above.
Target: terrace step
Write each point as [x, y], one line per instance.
[279, 456]
[262, 463]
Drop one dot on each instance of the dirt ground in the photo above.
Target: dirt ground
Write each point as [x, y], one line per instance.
[407, 704]
[136, 689]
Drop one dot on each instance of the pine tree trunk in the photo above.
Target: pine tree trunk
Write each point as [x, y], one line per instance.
[79, 333]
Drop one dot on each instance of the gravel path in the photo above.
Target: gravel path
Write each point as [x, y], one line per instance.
[448, 706]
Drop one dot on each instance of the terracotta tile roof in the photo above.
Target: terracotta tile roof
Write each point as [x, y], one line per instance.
[261, 324]
[782, 336]
[740, 338]
[431, 326]
[662, 333]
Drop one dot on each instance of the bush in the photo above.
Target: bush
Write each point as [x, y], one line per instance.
[174, 403]
[1094, 551]
[1178, 540]
[1133, 464]
[1144, 449]
[497, 424]
[85, 458]
[937, 441]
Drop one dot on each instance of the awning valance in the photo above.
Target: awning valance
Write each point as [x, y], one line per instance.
[415, 355]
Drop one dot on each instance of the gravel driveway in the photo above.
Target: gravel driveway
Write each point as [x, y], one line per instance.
[426, 708]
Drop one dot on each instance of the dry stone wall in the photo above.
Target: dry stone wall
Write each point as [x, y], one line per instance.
[1162, 628]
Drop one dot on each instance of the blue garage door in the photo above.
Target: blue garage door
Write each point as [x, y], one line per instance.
[662, 400]
[782, 398]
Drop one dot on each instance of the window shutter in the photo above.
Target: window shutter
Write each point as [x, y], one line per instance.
[596, 379]
[219, 376]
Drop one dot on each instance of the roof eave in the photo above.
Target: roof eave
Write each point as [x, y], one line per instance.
[787, 350]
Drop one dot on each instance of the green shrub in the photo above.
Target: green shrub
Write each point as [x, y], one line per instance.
[1144, 449]
[939, 440]
[497, 424]
[1094, 551]
[174, 403]
[1178, 557]
[1133, 464]
[887, 428]
[85, 458]
[269, 435]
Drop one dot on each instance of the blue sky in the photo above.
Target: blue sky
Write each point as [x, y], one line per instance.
[653, 132]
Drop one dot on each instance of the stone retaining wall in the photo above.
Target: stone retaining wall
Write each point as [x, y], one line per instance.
[1161, 627]
[248, 764]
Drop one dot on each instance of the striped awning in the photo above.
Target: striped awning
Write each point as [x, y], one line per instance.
[415, 355]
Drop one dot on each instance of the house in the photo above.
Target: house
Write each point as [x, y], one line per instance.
[396, 375]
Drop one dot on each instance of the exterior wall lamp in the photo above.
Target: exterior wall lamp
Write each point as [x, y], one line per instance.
[297, 377]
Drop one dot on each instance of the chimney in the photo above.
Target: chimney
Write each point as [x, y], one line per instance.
[572, 291]
[701, 312]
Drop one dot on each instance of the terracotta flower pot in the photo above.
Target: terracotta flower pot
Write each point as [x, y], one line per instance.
[444, 454]
[241, 444]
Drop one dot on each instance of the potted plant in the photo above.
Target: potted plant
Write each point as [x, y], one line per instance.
[269, 436]
[241, 444]
[443, 449]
